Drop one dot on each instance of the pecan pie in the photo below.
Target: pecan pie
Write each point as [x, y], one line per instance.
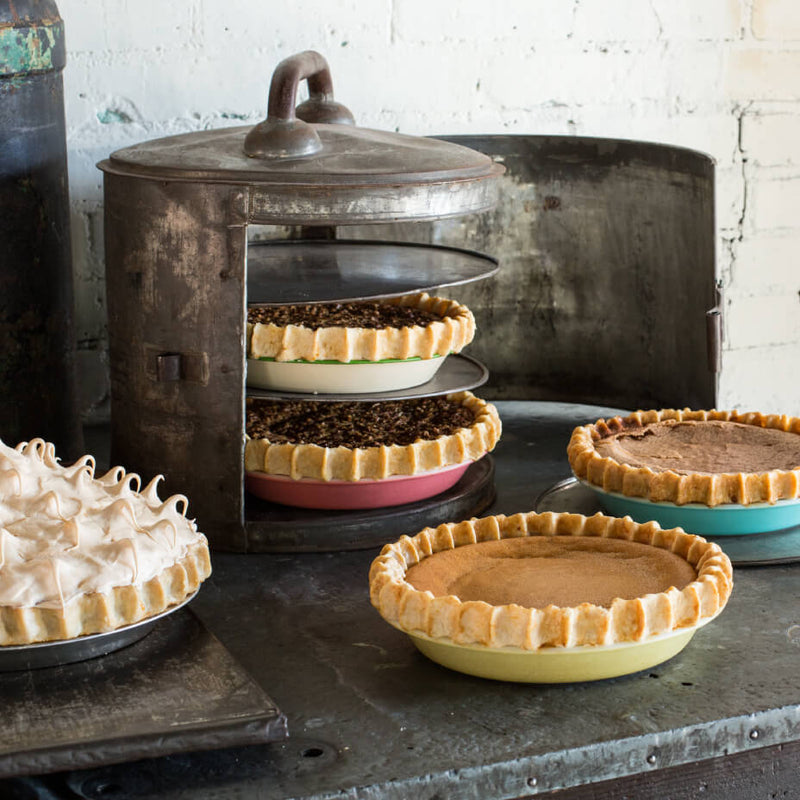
[367, 440]
[534, 581]
[706, 457]
[82, 555]
[400, 328]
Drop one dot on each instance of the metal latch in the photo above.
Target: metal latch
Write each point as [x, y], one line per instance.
[167, 367]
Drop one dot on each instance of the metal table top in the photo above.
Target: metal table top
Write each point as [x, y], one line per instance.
[370, 717]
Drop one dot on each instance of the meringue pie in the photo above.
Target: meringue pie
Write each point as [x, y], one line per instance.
[81, 554]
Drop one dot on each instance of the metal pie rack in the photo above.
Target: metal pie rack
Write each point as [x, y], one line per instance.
[181, 274]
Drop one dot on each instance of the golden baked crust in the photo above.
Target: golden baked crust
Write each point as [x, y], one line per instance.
[450, 334]
[81, 554]
[710, 489]
[375, 463]
[478, 622]
[100, 612]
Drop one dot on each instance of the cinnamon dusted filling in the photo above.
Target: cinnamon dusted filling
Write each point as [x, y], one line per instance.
[343, 315]
[398, 422]
[537, 571]
[703, 446]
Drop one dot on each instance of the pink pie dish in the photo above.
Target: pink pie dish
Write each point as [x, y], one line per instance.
[349, 495]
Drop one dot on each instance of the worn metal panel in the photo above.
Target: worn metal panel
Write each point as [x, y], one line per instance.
[607, 269]
[177, 689]
[175, 261]
[37, 343]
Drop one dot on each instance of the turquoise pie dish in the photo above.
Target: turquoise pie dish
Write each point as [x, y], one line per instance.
[724, 520]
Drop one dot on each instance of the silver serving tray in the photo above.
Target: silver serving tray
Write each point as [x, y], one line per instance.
[745, 550]
[14, 658]
[458, 373]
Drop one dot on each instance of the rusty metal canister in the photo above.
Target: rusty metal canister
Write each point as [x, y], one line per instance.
[37, 344]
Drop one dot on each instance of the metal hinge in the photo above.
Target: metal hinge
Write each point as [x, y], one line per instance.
[715, 331]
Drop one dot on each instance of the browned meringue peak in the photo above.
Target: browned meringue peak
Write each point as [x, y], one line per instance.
[65, 532]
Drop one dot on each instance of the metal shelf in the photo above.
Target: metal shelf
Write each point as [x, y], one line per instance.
[335, 271]
[458, 373]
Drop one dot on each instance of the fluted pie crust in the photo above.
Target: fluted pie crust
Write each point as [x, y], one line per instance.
[476, 622]
[656, 485]
[81, 554]
[308, 460]
[450, 333]
[100, 612]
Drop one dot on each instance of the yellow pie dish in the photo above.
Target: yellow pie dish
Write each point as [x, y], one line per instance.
[550, 597]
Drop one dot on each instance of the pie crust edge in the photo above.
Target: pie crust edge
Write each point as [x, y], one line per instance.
[712, 490]
[451, 334]
[101, 612]
[375, 463]
[479, 623]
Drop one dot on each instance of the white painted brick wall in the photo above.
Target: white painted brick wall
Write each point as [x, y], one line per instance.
[720, 76]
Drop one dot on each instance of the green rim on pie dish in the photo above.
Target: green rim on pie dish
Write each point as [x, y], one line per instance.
[356, 347]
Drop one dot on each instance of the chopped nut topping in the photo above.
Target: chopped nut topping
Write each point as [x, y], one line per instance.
[351, 424]
[343, 315]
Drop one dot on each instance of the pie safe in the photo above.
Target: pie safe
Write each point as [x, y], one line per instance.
[606, 291]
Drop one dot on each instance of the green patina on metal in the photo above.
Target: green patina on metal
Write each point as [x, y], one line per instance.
[32, 49]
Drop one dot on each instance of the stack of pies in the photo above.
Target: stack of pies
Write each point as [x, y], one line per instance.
[81, 555]
[361, 454]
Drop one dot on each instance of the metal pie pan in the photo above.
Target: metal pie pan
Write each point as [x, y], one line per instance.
[281, 272]
[14, 658]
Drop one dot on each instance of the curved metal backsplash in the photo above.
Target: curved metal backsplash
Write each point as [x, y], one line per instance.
[607, 270]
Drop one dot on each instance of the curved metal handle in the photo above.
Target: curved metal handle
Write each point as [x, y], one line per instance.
[286, 132]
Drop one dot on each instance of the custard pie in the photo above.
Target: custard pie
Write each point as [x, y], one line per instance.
[81, 554]
[682, 456]
[540, 581]
[354, 347]
[364, 441]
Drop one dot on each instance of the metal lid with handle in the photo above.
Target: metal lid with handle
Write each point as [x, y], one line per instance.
[311, 164]
[286, 132]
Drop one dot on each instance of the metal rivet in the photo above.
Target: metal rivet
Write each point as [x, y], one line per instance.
[754, 733]
[651, 759]
[531, 782]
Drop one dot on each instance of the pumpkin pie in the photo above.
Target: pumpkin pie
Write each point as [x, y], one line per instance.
[535, 581]
[706, 457]
[81, 554]
[354, 441]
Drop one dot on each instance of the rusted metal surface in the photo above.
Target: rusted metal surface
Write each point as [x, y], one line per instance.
[175, 276]
[607, 268]
[373, 719]
[37, 347]
[177, 689]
